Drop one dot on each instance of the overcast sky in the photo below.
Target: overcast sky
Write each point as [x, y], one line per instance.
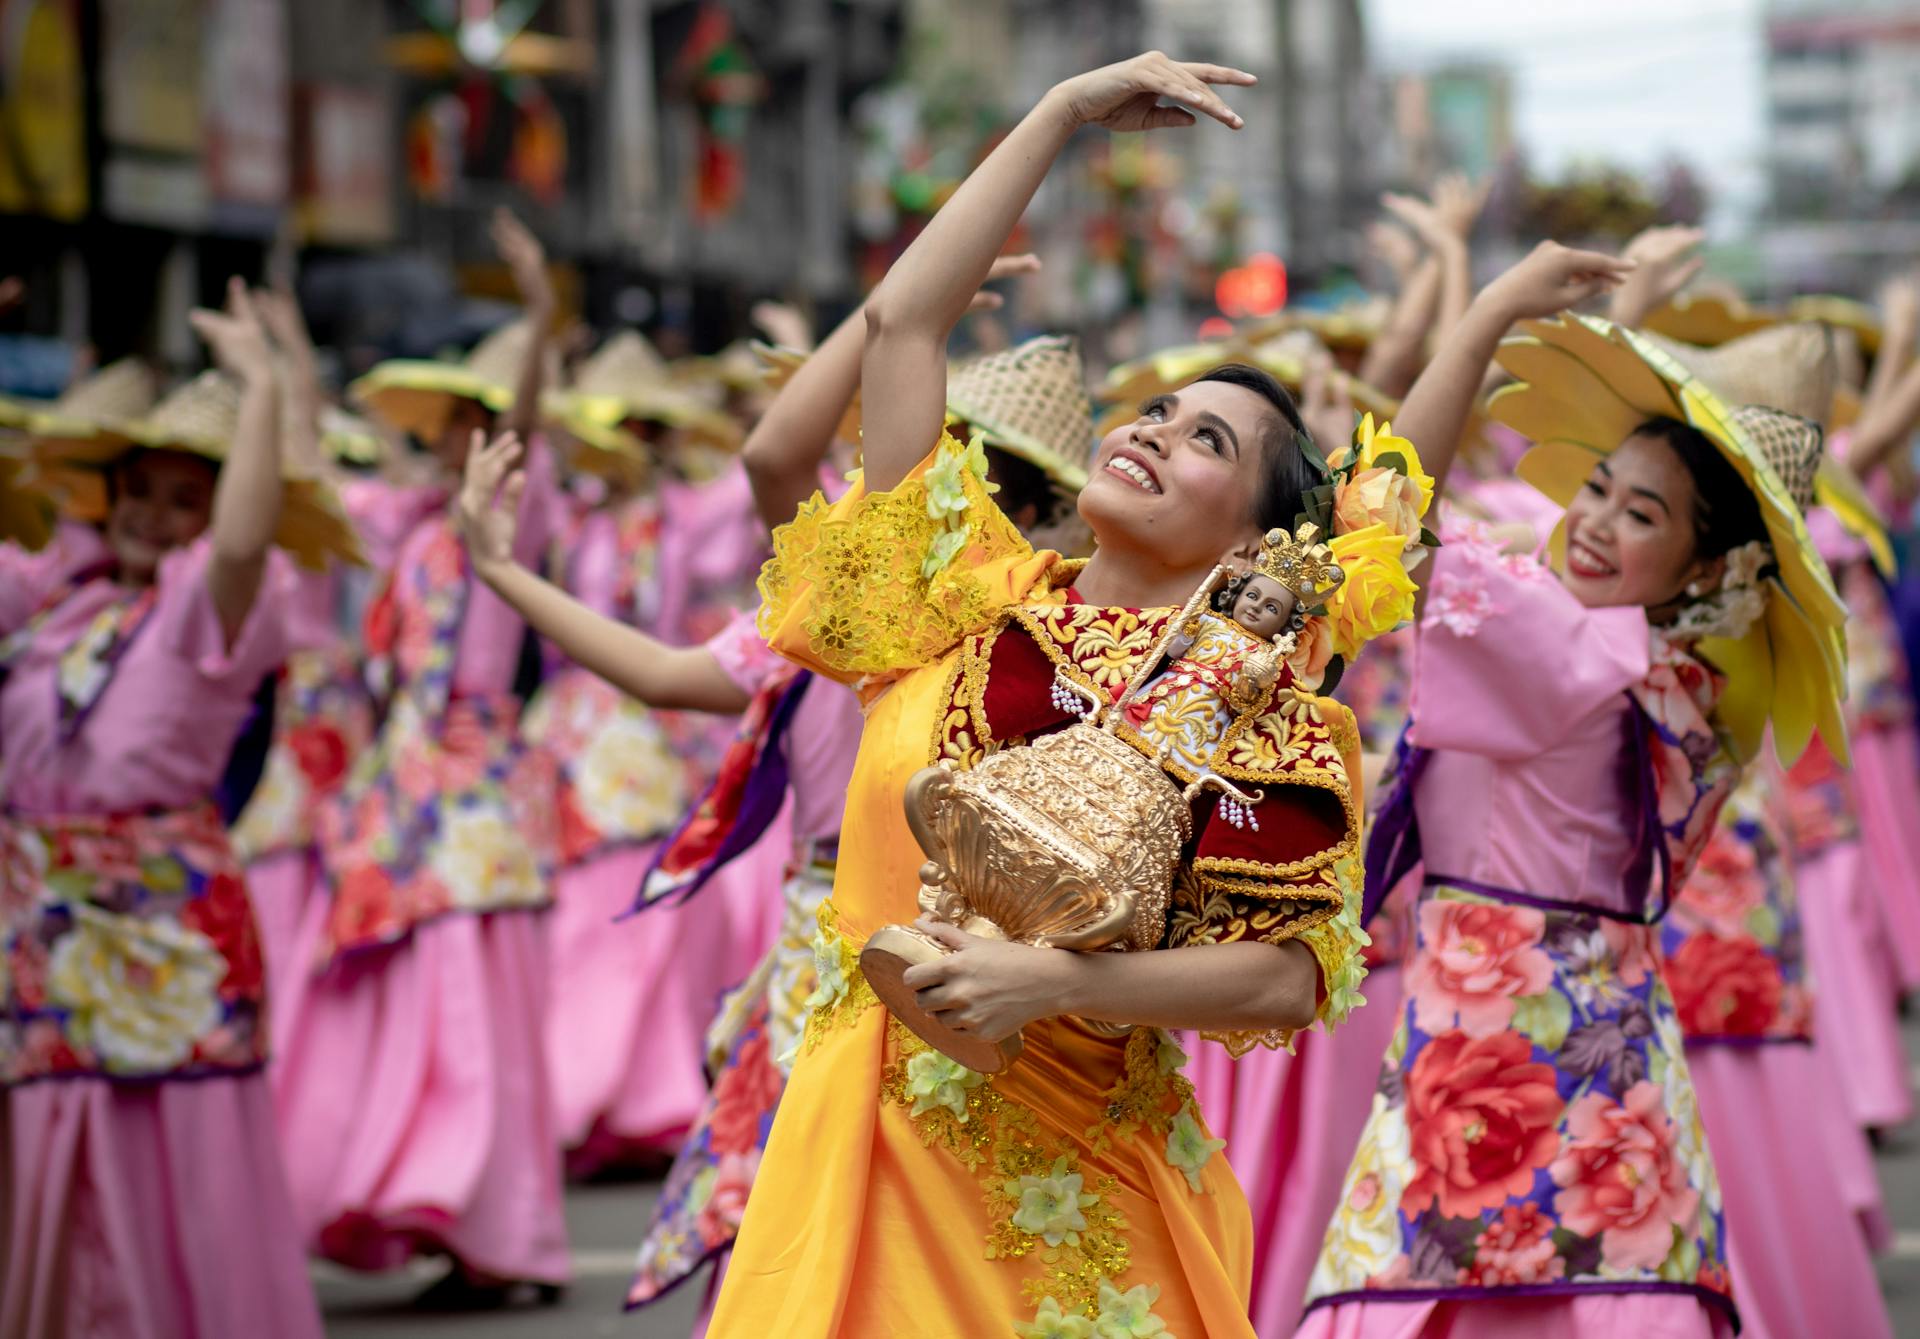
[1630, 81]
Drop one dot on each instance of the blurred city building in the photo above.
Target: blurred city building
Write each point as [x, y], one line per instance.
[1843, 119]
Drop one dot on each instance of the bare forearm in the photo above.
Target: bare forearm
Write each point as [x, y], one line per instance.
[1436, 409]
[1456, 286]
[1393, 359]
[1887, 424]
[246, 506]
[1242, 987]
[523, 418]
[784, 451]
[643, 667]
[1896, 349]
[911, 313]
[304, 401]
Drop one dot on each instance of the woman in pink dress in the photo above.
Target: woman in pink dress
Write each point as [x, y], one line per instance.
[631, 1000]
[142, 1192]
[1800, 1230]
[412, 1093]
[1571, 750]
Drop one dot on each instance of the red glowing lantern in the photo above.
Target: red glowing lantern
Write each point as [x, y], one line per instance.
[1257, 288]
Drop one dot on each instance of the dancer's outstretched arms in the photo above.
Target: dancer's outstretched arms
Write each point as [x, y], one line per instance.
[247, 496]
[909, 316]
[1550, 279]
[682, 677]
[785, 448]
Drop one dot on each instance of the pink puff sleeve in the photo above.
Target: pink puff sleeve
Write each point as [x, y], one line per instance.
[743, 653]
[1507, 661]
[28, 579]
[187, 624]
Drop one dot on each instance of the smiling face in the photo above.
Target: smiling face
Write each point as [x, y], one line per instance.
[1263, 607]
[1631, 533]
[161, 501]
[1179, 481]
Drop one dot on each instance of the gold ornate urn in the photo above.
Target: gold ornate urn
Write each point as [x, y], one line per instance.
[1070, 843]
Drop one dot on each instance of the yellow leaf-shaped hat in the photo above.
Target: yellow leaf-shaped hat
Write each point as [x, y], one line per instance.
[415, 395]
[1582, 385]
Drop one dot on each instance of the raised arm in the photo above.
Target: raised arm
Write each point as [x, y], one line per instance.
[1900, 317]
[686, 678]
[246, 499]
[909, 316]
[785, 448]
[522, 252]
[1887, 424]
[1444, 224]
[1550, 279]
[302, 398]
[1392, 360]
[1666, 263]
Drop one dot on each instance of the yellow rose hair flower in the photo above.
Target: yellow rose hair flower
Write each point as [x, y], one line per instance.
[1377, 595]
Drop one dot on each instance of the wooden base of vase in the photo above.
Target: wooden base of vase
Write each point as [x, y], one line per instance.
[889, 952]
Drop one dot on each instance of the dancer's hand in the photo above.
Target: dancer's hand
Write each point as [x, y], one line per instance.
[1400, 252]
[1458, 199]
[1325, 406]
[1667, 262]
[236, 336]
[1551, 279]
[487, 512]
[988, 987]
[1127, 95]
[1003, 267]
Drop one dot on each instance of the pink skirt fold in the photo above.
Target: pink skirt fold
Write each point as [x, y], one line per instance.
[1854, 1017]
[412, 1098]
[1800, 1262]
[1291, 1123]
[1886, 772]
[631, 999]
[150, 1211]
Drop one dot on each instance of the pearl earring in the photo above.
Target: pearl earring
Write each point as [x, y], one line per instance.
[1696, 588]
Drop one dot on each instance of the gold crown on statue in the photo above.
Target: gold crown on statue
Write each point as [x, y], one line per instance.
[1301, 563]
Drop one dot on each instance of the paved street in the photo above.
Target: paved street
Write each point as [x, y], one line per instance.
[606, 1221]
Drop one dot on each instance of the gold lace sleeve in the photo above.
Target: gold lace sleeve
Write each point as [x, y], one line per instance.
[880, 583]
[1321, 910]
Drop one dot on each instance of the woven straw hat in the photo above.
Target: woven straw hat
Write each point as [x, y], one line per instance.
[95, 403]
[415, 395]
[197, 418]
[1030, 401]
[1582, 385]
[1786, 367]
[1842, 314]
[625, 360]
[1707, 319]
[627, 379]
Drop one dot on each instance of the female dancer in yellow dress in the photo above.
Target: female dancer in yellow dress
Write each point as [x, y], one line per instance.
[1076, 1192]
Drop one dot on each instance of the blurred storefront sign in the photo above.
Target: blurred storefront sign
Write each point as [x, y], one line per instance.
[150, 55]
[195, 112]
[43, 132]
[247, 103]
[345, 165]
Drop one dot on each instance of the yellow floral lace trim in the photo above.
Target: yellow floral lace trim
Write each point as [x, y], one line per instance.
[1037, 1198]
[842, 993]
[876, 596]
